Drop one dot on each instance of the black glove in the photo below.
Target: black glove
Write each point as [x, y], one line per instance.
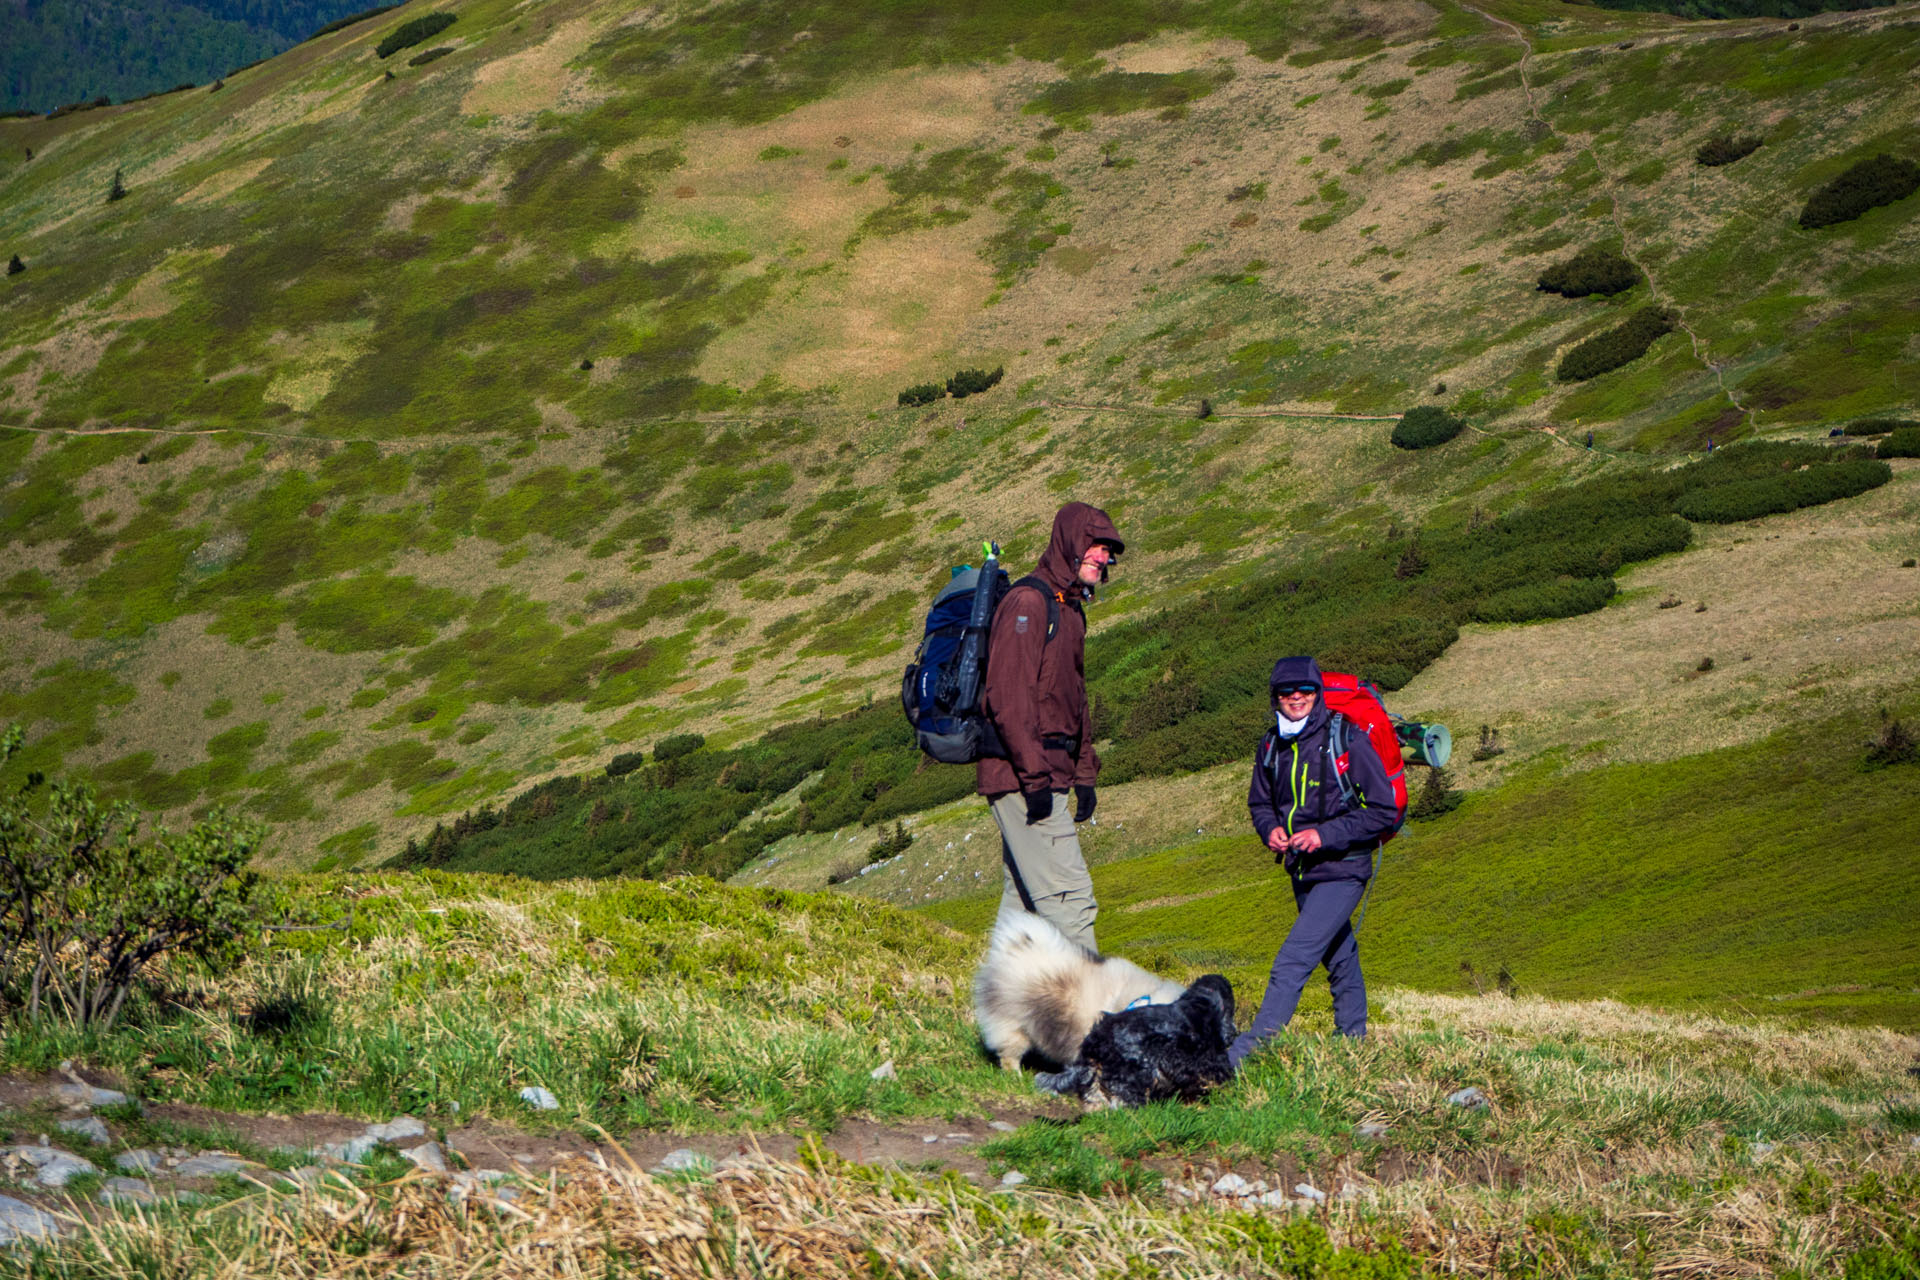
[1039, 805]
[1084, 809]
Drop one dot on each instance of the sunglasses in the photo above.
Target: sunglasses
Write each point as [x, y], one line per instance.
[1288, 690]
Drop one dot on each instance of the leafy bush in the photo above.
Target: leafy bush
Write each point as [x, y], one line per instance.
[899, 840]
[675, 746]
[1437, 796]
[1877, 426]
[15, 266]
[1894, 744]
[1877, 180]
[1424, 426]
[923, 393]
[1593, 270]
[409, 34]
[625, 763]
[118, 191]
[341, 24]
[87, 905]
[1725, 148]
[1904, 443]
[1622, 344]
[431, 55]
[1783, 491]
[1538, 600]
[967, 382]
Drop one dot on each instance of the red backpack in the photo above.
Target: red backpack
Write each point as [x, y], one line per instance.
[1354, 701]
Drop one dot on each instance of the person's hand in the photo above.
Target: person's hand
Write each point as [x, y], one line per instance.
[1083, 795]
[1039, 805]
[1304, 841]
[1277, 840]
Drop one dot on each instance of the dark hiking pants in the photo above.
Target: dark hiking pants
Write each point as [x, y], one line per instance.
[1323, 935]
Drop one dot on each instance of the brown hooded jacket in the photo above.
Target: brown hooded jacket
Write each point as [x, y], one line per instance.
[1036, 689]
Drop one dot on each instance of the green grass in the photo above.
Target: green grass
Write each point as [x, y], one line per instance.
[1788, 910]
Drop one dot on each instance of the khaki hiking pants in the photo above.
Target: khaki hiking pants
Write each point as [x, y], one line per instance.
[1050, 864]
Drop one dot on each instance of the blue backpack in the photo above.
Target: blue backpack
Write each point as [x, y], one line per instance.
[941, 689]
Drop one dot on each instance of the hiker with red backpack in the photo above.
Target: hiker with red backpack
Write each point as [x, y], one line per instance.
[1324, 800]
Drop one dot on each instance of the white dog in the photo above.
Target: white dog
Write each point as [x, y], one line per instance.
[1037, 990]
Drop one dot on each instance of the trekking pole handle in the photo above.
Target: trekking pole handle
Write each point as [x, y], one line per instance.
[990, 549]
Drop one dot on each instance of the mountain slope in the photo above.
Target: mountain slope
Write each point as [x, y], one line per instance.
[548, 386]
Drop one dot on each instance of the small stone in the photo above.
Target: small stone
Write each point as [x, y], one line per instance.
[884, 1071]
[1761, 1149]
[1002, 1126]
[1231, 1184]
[214, 1164]
[401, 1127]
[930, 1138]
[428, 1156]
[539, 1098]
[21, 1221]
[1371, 1130]
[138, 1160]
[683, 1160]
[352, 1151]
[91, 1129]
[128, 1191]
[1012, 1178]
[1273, 1200]
[1184, 1191]
[86, 1095]
[1469, 1098]
[958, 1137]
[1307, 1191]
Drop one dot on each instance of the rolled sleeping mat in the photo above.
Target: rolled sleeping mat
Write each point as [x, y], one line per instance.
[1428, 744]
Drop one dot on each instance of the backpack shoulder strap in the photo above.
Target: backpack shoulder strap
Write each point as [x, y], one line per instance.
[1337, 748]
[1047, 593]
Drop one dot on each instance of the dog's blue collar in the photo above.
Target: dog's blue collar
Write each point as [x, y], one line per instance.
[1143, 1000]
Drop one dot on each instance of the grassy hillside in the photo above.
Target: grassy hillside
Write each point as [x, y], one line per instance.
[549, 385]
[1615, 1141]
[1752, 878]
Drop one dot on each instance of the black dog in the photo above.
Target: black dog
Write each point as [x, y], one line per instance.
[1145, 1054]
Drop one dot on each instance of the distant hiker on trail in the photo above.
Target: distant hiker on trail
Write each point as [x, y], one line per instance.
[1589, 439]
[1036, 695]
[1327, 846]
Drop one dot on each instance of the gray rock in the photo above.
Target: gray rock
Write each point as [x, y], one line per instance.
[402, 1127]
[138, 1160]
[1762, 1149]
[1307, 1191]
[1371, 1130]
[428, 1156]
[930, 1138]
[1469, 1098]
[884, 1071]
[53, 1168]
[1231, 1184]
[21, 1221]
[1274, 1200]
[352, 1151]
[91, 1128]
[683, 1160]
[213, 1164]
[1012, 1178]
[128, 1191]
[86, 1095]
[539, 1099]
[1002, 1126]
[958, 1137]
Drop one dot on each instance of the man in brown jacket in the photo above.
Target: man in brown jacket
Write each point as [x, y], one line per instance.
[1036, 694]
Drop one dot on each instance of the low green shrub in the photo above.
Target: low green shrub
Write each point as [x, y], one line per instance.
[1424, 426]
[1877, 180]
[1539, 600]
[624, 763]
[15, 266]
[1783, 491]
[1593, 270]
[341, 24]
[1725, 148]
[434, 55]
[1877, 426]
[1904, 443]
[968, 382]
[408, 34]
[676, 745]
[1622, 344]
[923, 393]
